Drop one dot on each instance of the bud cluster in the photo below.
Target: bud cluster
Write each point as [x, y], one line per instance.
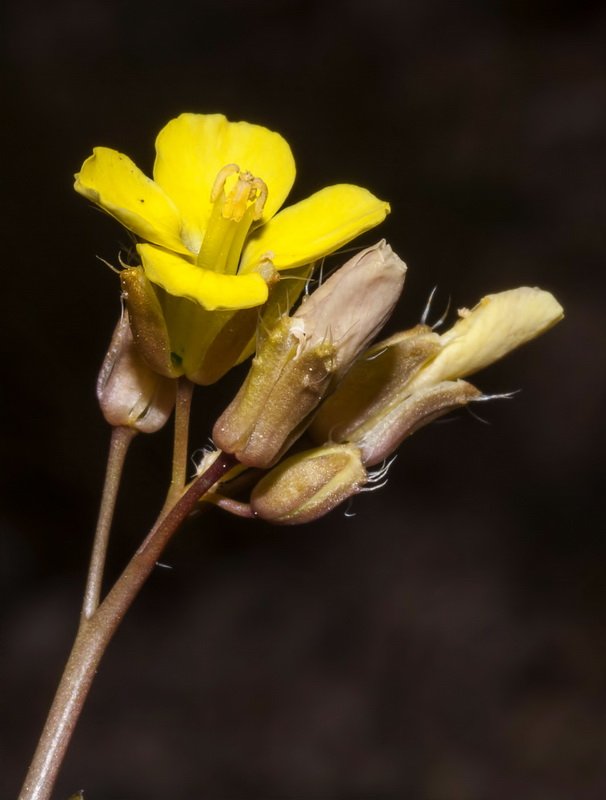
[312, 373]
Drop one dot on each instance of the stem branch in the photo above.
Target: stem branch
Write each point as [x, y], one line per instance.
[185, 390]
[120, 441]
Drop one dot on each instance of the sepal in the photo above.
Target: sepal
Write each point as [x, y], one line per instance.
[147, 322]
[387, 429]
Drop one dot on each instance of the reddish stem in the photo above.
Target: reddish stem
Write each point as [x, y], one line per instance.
[96, 632]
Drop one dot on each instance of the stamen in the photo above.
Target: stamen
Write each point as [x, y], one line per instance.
[234, 211]
[237, 200]
[260, 189]
[220, 180]
[247, 190]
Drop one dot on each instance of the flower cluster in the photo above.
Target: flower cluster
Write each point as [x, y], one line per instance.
[212, 287]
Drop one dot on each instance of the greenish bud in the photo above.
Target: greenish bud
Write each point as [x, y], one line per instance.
[279, 393]
[130, 393]
[308, 485]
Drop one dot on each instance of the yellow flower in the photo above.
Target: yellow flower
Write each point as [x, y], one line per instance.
[209, 220]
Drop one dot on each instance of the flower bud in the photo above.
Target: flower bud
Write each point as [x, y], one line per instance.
[308, 485]
[130, 393]
[305, 355]
[352, 306]
[283, 295]
[411, 379]
[281, 390]
[376, 381]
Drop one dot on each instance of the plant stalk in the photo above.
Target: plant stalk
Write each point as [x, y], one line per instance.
[185, 390]
[96, 632]
[121, 438]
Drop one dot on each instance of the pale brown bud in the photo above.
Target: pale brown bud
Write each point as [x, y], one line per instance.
[308, 485]
[376, 381]
[304, 356]
[352, 306]
[130, 393]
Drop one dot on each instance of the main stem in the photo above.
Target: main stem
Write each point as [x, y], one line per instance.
[96, 632]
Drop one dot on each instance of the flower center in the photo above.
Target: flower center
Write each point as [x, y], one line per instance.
[233, 213]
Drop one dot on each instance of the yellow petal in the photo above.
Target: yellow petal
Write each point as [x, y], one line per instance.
[112, 181]
[315, 227]
[212, 290]
[193, 148]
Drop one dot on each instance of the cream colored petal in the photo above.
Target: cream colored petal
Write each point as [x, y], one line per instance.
[212, 290]
[193, 148]
[112, 181]
[498, 324]
[315, 227]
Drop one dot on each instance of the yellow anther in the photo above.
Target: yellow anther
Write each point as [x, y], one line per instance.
[260, 196]
[237, 200]
[220, 180]
[245, 191]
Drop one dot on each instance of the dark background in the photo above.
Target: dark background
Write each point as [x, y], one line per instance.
[446, 643]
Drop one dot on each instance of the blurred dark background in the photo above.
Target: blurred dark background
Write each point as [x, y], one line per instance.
[446, 642]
